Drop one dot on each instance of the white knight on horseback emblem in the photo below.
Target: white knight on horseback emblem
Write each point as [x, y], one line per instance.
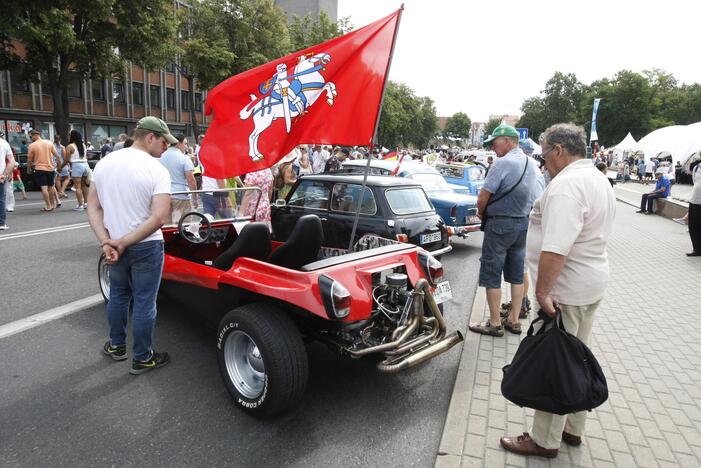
[286, 96]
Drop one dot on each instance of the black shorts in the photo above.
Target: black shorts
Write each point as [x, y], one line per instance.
[44, 178]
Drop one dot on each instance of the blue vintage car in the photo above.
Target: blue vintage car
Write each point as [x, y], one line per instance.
[458, 209]
[470, 176]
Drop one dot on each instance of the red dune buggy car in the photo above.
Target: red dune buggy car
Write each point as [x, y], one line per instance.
[265, 297]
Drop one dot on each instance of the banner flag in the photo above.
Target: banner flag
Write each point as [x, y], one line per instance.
[593, 136]
[326, 94]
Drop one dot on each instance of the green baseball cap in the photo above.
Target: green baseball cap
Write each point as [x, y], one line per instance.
[502, 130]
[157, 125]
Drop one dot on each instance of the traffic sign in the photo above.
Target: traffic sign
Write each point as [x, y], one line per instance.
[522, 133]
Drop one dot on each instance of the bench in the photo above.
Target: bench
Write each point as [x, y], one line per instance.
[670, 208]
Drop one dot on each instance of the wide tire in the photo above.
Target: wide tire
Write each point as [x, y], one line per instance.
[262, 359]
[103, 278]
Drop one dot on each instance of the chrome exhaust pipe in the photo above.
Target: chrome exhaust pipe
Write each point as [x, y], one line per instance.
[392, 367]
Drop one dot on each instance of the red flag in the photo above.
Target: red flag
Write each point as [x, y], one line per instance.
[327, 94]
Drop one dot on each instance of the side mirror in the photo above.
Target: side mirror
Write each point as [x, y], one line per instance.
[280, 202]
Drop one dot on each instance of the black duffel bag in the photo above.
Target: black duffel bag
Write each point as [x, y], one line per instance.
[554, 371]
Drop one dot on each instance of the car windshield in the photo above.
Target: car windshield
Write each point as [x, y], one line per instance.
[408, 200]
[233, 204]
[430, 182]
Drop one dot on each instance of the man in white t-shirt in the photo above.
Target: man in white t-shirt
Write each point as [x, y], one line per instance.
[7, 163]
[566, 252]
[649, 170]
[128, 202]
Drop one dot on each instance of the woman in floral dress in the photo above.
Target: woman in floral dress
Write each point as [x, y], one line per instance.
[262, 179]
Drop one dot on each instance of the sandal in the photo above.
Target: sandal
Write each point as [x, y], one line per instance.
[47, 210]
[514, 328]
[487, 328]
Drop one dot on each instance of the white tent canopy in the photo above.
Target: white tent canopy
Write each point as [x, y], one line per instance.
[679, 141]
[627, 144]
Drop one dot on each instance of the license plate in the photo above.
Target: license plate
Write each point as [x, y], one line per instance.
[473, 220]
[428, 238]
[442, 292]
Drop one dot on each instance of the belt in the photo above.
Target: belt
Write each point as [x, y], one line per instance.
[508, 217]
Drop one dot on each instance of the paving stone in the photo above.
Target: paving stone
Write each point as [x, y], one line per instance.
[616, 440]
[664, 422]
[495, 457]
[633, 435]
[477, 424]
[496, 419]
[448, 461]
[643, 456]
[475, 446]
[602, 464]
[478, 407]
[515, 460]
[599, 449]
[470, 462]
[677, 442]
[623, 460]
[661, 449]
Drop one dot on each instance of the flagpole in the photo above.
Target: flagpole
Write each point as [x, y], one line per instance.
[374, 135]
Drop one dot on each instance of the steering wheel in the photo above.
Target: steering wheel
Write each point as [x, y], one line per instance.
[192, 232]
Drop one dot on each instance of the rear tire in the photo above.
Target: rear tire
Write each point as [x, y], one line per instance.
[262, 359]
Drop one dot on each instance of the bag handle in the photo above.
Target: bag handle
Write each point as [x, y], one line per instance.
[547, 321]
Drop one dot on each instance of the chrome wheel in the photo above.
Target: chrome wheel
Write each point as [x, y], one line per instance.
[104, 278]
[244, 364]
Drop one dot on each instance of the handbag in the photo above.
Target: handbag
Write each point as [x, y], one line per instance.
[88, 177]
[483, 218]
[554, 371]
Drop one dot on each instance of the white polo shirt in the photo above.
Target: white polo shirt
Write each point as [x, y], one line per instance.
[574, 217]
[126, 180]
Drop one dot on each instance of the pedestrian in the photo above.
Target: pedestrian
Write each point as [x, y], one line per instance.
[641, 170]
[9, 189]
[17, 182]
[106, 148]
[181, 170]
[490, 161]
[693, 217]
[76, 155]
[626, 172]
[335, 162]
[503, 203]
[259, 209]
[129, 201]
[304, 165]
[63, 168]
[604, 170]
[40, 160]
[121, 139]
[215, 203]
[319, 158]
[661, 191]
[567, 238]
[7, 163]
[285, 178]
[649, 170]
[24, 149]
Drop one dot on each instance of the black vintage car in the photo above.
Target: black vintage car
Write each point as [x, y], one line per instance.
[393, 208]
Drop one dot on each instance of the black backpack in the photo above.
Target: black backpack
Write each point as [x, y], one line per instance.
[554, 371]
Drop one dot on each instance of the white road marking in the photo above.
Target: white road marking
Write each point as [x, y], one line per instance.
[37, 232]
[41, 318]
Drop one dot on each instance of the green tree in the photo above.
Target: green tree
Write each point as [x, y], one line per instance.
[72, 39]
[406, 119]
[205, 58]
[458, 126]
[307, 31]
[493, 123]
[533, 117]
[256, 31]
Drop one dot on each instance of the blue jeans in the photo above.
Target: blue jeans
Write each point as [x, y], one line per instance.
[215, 206]
[503, 251]
[135, 277]
[3, 213]
[648, 198]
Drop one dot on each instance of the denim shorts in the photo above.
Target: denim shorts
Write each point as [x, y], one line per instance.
[79, 169]
[503, 251]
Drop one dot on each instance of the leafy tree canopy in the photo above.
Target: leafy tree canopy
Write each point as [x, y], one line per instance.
[406, 120]
[458, 125]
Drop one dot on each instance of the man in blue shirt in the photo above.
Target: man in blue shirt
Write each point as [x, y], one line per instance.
[661, 191]
[181, 171]
[514, 182]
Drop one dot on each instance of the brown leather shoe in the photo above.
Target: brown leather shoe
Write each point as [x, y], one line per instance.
[524, 445]
[573, 440]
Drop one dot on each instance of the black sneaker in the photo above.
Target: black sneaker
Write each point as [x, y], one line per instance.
[118, 353]
[157, 360]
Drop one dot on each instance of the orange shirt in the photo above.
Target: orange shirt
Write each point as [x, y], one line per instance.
[40, 153]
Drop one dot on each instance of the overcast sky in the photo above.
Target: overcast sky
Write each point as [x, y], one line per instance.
[485, 58]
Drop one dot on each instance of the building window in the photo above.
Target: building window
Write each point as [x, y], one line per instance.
[98, 90]
[19, 84]
[185, 100]
[170, 68]
[75, 86]
[118, 92]
[155, 96]
[198, 102]
[170, 98]
[138, 93]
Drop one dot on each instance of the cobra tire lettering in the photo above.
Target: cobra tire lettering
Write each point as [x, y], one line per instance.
[223, 332]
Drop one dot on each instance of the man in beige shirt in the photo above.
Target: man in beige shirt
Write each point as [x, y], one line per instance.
[41, 160]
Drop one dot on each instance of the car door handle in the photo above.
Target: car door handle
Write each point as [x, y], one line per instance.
[323, 219]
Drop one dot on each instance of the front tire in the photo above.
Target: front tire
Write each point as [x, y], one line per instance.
[262, 359]
[103, 278]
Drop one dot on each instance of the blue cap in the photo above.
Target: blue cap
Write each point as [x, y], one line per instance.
[526, 146]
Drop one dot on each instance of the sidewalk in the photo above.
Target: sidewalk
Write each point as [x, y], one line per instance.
[631, 192]
[645, 337]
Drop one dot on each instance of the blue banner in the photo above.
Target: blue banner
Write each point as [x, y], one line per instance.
[593, 136]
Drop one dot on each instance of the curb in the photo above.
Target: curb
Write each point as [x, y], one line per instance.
[450, 449]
